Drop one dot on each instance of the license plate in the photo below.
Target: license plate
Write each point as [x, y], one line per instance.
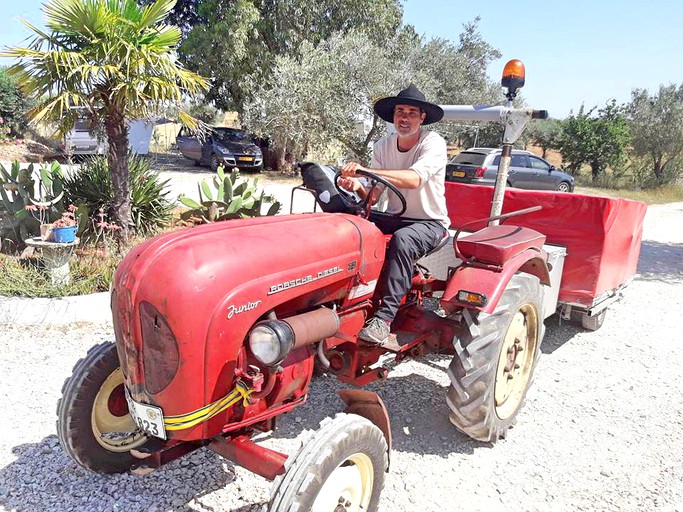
[459, 174]
[245, 158]
[148, 417]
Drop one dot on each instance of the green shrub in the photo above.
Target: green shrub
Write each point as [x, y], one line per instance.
[13, 107]
[91, 189]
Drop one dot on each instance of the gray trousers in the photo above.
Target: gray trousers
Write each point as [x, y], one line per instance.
[411, 240]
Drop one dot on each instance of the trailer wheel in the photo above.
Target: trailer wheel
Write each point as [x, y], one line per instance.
[341, 468]
[494, 362]
[93, 423]
[590, 323]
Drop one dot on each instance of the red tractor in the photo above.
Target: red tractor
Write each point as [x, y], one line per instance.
[219, 327]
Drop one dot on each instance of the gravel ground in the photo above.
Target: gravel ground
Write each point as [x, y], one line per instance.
[602, 428]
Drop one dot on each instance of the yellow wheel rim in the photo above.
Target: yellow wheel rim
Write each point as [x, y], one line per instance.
[348, 488]
[516, 361]
[112, 425]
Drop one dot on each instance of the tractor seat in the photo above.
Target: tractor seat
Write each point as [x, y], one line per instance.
[495, 245]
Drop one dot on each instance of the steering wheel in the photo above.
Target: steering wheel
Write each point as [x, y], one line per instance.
[364, 204]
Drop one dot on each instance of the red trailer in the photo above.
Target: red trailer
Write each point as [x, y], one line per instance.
[218, 329]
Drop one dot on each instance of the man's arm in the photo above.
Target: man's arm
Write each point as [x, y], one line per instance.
[401, 178]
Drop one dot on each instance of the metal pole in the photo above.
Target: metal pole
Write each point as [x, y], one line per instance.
[501, 182]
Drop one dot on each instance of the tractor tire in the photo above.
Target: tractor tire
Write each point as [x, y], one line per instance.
[495, 357]
[341, 467]
[93, 423]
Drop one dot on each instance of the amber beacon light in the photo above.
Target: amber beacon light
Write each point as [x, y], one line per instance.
[513, 77]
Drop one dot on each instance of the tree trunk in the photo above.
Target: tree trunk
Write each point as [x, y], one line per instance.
[658, 170]
[280, 161]
[117, 159]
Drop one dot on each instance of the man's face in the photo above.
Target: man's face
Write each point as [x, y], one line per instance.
[407, 119]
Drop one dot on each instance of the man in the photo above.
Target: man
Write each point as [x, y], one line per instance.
[414, 161]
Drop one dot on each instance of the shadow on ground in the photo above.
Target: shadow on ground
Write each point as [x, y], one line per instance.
[661, 262]
[45, 470]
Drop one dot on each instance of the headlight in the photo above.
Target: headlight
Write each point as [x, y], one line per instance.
[270, 341]
[224, 151]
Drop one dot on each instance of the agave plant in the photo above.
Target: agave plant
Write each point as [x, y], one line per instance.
[228, 200]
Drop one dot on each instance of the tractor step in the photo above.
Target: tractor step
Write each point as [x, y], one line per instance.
[400, 341]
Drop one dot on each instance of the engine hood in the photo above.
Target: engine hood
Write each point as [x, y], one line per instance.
[209, 284]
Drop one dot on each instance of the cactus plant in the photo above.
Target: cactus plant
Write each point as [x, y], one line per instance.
[228, 200]
[18, 190]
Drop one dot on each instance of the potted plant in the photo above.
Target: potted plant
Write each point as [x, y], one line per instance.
[64, 229]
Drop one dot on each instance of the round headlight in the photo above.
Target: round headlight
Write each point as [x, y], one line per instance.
[271, 341]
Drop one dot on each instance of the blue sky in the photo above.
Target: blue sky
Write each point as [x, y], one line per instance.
[575, 52]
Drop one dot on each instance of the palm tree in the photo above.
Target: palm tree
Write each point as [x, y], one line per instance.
[113, 59]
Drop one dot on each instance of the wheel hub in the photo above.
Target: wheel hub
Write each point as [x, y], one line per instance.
[348, 488]
[113, 427]
[515, 361]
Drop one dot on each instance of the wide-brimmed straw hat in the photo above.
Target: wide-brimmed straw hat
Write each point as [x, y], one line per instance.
[411, 95]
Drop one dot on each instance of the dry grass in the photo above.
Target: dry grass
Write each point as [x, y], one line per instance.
[667, 194]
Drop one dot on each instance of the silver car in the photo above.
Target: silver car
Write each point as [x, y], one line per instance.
[479, 166]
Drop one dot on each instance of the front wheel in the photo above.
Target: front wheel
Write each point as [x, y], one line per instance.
[214, 163]
[341, 468]
[495, 357]
[563, 187]
[93, 423]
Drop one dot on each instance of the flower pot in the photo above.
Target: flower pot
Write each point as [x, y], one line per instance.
[46, 232]
[64, 235]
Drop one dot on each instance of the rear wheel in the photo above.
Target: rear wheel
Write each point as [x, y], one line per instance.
[590, 323]
[341, 468]
[495, 358]
[93, 423]
[563, 187]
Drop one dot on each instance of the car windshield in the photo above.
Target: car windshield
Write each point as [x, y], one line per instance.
[469, 158]
[229, 135]
[82, 125]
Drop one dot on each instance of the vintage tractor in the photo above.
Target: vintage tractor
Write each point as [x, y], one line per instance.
[218, 329]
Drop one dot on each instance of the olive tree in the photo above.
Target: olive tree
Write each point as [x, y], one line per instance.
[326, 93]
[598, 141]
[656, 122]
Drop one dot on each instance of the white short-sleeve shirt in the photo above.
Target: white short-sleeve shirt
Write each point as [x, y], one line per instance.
[428, 159]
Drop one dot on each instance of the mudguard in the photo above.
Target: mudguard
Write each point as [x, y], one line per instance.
[491, 283]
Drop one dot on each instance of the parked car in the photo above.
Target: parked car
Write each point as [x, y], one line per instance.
[229, 147]
[480, 165]
[81, 141]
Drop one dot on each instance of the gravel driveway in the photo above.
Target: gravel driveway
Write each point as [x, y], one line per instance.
[602, 428]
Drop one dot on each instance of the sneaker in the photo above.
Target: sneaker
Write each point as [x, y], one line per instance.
[375, 331]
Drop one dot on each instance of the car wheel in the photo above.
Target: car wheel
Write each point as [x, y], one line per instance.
[563, 187]
[214, 163]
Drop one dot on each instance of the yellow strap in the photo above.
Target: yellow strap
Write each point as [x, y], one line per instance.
[183, 421]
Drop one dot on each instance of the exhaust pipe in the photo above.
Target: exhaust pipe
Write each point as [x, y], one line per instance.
[313, 326]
